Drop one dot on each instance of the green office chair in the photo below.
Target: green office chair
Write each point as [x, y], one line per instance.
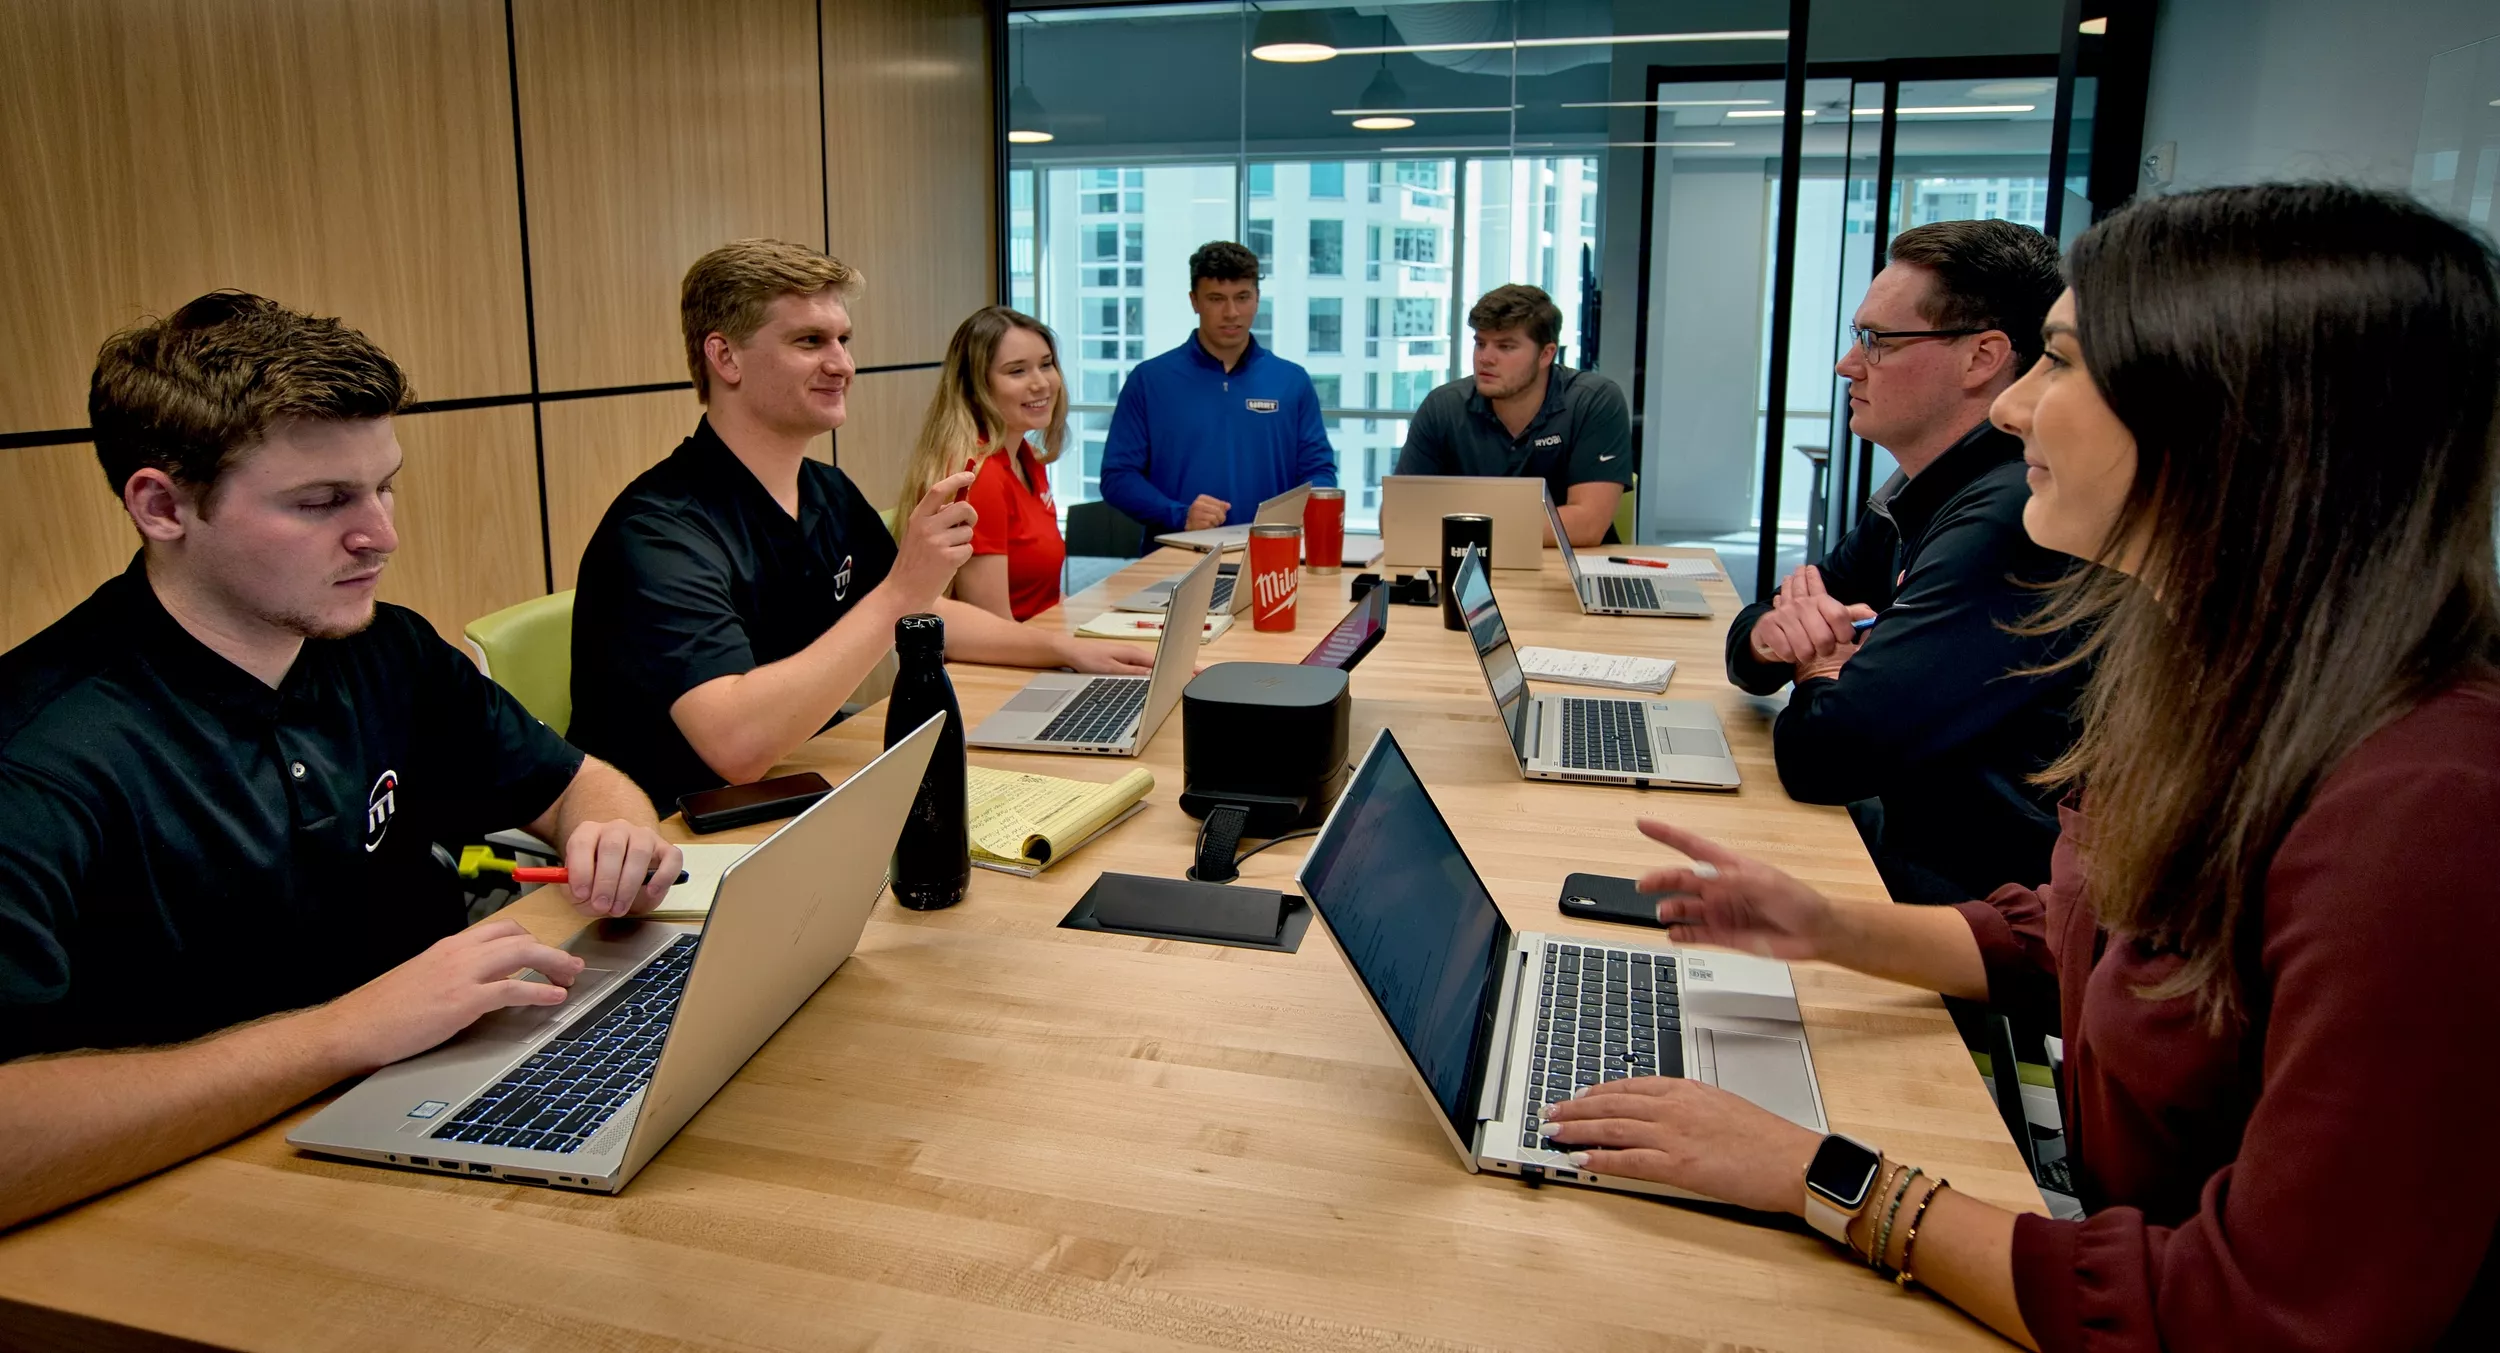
[886, 515]
[528, 650]
[1628, 512]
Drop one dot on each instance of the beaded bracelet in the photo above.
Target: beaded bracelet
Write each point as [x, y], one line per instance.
[1887, 1174]
[1883, 1236]
[1901, 1275]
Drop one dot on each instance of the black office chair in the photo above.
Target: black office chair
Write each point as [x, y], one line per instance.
[1102, 531]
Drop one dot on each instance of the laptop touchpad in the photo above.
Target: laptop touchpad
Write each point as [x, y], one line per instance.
[1769, 1071]
[1034, 700]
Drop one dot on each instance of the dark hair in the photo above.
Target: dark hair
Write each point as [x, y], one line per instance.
[1989, 275]
[187, 393]
[1518, 306]
[1222, 261]
[2311, 373]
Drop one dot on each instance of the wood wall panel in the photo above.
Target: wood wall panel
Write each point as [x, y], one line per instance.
[62, 532]
[349, 157]
[467, 512]
[910, 152]
[876, 439]
[595, 447]
[651, 133]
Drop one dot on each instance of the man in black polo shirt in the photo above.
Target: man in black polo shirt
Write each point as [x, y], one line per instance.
[1925, 725]
[1525, 415]
[737, 592]
[222, 775]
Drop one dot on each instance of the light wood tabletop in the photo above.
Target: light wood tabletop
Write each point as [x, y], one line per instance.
[990, 1132]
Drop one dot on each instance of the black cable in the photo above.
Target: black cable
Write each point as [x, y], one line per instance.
[1289, 836]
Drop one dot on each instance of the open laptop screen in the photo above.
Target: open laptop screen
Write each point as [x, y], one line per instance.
[1354, 636]
[1493, 649]
[1414, 920]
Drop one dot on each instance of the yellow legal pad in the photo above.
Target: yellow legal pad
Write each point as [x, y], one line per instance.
[1023, 823]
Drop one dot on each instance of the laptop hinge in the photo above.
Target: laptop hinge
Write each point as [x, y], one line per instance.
[1489, 1103]
[1534, 728]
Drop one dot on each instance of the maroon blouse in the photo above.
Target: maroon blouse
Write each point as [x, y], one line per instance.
[2326, 1175]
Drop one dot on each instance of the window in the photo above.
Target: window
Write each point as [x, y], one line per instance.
[1262, 180]
[1408, 388]
[1133, 247]
[1262, 242]
[1102, 387]
[1327, 326]
[1102, 243]
[1327, 248]
[1417, 317]
[1328, 180]
[1096, 204]
[1419, 244]
[1137, 277]
[1102, 316]
[1424, 174]
[1329, 389]
[1133, 314]
[1371, 253]
[1371, 192]
[1371, 329]
[1263, 326]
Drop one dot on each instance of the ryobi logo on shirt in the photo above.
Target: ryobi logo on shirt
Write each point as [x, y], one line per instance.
[1555, 440]
[1259, 405]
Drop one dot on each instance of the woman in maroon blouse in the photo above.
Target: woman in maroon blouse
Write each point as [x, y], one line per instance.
[2270, 412]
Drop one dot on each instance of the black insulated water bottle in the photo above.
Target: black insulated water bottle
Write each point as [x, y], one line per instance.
[933, 857]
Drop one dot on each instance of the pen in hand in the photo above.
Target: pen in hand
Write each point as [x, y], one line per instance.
[531, 873]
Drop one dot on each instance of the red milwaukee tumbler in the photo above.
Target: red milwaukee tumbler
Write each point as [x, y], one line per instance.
[1275, 575]
[1323, 529]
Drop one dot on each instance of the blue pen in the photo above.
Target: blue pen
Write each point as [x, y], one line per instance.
[1864, 625]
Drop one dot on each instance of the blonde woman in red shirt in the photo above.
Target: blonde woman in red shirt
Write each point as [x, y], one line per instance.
[999, 384]
[2269, 413]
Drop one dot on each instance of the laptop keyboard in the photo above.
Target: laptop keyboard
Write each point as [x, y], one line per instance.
[1625, 594]
[1605, 735]
[1602, 1015]
[1222, 598]
[569, 1088]
[1103, 712]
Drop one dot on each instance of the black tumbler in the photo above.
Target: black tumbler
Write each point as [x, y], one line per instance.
[1458, 531]
[933, 857]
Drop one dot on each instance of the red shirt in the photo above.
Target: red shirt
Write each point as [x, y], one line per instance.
[2319, 1176]
[1023, 524]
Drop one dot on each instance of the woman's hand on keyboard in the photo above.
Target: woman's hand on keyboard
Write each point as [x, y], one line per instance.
[441, 991]
[1735, 902]
[1687, 1134]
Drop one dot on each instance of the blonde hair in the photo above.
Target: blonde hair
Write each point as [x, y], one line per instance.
[964, 414]
[727, 290]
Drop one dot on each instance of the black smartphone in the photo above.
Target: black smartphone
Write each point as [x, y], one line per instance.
[1600, 897]
[718, 810]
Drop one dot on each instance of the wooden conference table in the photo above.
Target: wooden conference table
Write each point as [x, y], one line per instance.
[989, 1132]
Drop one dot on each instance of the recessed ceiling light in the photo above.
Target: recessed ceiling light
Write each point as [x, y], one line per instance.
[2094, 27]
[1383, 124]
[1292, 37]
[1028, 138]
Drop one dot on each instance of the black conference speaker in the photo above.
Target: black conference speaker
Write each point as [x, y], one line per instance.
[1263, 750]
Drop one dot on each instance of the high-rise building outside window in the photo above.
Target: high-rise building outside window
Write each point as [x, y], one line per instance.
[1327, 338]
[1327, 248]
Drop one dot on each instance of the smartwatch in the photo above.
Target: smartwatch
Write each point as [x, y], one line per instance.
[1837, 1181]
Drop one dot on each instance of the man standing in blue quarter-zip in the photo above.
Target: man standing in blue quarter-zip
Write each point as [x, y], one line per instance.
[1206, 431]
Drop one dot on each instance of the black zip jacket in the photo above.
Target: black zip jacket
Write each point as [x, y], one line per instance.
[1929, 717]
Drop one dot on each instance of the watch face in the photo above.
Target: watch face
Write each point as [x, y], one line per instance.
[1843, 1171]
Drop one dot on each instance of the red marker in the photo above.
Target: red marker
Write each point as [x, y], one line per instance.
[531, 873]
[1636, 563]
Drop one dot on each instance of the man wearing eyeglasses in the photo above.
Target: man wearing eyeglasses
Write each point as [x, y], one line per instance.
[1923, 723]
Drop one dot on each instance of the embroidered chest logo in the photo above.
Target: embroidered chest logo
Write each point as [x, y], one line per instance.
[380, 804]
[1259, 405]
[1555, 440]
[842, 580]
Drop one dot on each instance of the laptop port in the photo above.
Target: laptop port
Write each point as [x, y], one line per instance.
[526, 1179]
[418, 1160]
[481, 1169]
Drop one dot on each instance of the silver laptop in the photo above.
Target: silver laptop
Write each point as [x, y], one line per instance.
[1412, 505]
[1283, 508]
[1612, 741]
[581, 1095]
[1107, 715]
[1497, 1023]
[1607, 594]
[1157, 596]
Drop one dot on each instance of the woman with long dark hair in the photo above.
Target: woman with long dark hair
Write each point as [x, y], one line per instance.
[2269, 414]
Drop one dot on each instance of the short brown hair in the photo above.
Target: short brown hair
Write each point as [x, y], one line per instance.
[188, 393]
[1222, 261]
[1518, 306]
[727, 290]
[1989, 275]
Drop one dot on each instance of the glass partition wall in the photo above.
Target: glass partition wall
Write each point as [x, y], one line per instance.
[1391, 163]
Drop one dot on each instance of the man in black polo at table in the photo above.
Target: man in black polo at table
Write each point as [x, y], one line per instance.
[736, 593]
[1925, 725]
[1525, 415]
[222, 775]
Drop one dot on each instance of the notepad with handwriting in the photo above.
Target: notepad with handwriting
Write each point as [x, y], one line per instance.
[1024, 823]
[692, 899]
[1615, 671]
[1139, 625]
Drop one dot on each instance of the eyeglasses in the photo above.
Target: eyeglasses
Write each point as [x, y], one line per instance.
[1871, 341]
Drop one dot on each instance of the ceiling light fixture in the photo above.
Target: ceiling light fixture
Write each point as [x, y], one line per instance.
[1380, 109]
[2097, 28]
[1027, 124]
[1292, 37]
[1763, 112]
[1506, 44]
[1669, 103]
[1943, 109]
[1367, 110]
[1383, 124]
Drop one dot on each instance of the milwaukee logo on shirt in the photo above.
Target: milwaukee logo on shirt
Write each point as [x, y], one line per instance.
[1259, 405]
[380, 803]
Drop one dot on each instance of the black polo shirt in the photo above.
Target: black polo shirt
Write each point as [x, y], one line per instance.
[1582, 434]
[696, 574]
[183, 848]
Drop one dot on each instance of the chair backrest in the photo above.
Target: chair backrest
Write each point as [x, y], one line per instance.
[1099, 530]
[1628, 513]
[886, 515]
[528, 650]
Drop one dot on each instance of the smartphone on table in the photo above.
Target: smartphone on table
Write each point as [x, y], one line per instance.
[718, 810]
[1601, 897]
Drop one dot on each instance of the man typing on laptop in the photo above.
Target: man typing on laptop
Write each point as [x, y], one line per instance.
[225, 771]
